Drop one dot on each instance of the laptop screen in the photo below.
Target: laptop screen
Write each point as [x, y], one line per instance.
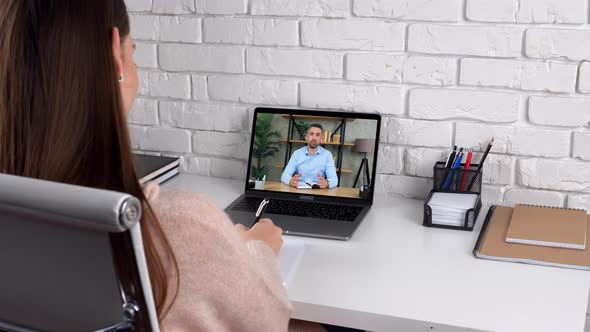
[314, 153]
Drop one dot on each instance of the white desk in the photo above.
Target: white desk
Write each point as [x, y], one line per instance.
[396, 275]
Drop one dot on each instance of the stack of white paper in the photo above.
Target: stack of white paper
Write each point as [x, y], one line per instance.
[450, 209]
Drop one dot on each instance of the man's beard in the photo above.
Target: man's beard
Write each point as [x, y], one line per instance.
[313, 144]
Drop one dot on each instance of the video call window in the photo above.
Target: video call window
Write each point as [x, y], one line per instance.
[317, 155]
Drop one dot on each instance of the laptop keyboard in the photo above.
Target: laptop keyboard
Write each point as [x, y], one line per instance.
[301, 208]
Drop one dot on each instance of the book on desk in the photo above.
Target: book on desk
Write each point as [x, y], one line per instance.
[155, 168]
[492, 243]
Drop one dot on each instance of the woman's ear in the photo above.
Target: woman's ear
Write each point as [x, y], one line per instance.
[117, 51]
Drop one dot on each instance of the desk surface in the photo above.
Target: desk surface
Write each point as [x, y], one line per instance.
[338, 191]
[397, 275]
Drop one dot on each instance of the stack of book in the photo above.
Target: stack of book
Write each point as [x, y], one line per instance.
[154, 168]
[536, 235]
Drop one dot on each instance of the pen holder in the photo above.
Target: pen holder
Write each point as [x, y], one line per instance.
[458, 181]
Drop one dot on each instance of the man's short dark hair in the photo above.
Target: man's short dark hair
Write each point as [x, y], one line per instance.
[317, 125]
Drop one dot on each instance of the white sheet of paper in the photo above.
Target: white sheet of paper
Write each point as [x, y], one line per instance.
[290, 257]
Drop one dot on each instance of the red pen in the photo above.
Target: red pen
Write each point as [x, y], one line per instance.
[467, 165]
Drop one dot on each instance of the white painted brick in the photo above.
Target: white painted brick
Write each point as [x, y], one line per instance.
[359, 98]
[476, 136]
[228, 168]
[554, 174]
[420, 161]
[252, 90]
[306, 63]
[421, 10]
[417, 133]
[167, 139]
[200, 87]
[144, 112]
[136, 136]
[492, 41]
[180, 29]
[526, 75]
[326, 8]
[230, 30]
[579, 202]
[374, 67]
[144, 27]
[173, 6]
[197, 165]
[406, 186]
[584, 78]
[168, 85]
[439, 104]
[497, 169]
[275, 32]
[536, 197]
[182, 57]
[430, 70]
[527, 11]
[350, 34]
[582, 146]
[492, 195]
[139, 5]
[227, 7]
[143, 88]
[558, 43]
[226, 118]
[528, 141]
[558, 111]
[220, 144]
[540, 142]
[146, 55]
[391, 160]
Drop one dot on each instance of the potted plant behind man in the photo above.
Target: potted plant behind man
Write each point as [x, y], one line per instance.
[263, 147]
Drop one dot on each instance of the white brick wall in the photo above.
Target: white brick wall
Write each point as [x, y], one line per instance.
[360, 98]
[526, 75]
[441, 73]
[356, 35]
[491, 41]
[421, 10]
[527, 11]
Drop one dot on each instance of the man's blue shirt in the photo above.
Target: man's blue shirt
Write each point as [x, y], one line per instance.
[310, 166]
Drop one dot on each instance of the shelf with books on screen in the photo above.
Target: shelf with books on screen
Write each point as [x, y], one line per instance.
[322, 143]
[335, 138]
[344, 170]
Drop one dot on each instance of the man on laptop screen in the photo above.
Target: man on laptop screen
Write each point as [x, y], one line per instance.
[307, 165]
[311, 164]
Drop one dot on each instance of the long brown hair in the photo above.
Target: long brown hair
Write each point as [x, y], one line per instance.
[61, 111]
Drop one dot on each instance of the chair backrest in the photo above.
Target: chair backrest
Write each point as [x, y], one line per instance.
[71, 259]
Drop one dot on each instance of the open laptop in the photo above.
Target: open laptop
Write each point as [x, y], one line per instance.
[340, 147]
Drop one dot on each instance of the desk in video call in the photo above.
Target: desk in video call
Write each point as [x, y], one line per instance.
[338, 191]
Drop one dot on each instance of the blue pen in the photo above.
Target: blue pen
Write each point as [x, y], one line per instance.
[452, 173]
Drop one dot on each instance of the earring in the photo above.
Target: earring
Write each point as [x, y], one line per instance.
[121, 78]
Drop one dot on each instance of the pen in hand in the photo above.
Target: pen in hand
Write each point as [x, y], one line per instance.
[261, 209]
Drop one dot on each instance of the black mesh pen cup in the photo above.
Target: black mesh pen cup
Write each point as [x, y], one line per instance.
[457, 181]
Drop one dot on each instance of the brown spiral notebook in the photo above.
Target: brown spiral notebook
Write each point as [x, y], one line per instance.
[491, 244]
[548, 226]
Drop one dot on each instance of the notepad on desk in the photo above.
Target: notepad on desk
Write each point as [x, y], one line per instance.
[547, 226]
[492, 244]
[289, 258]
[450, 208]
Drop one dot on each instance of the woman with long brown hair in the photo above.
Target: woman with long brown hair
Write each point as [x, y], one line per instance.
[67, 83]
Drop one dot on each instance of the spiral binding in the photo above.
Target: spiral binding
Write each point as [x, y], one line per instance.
[552, 207]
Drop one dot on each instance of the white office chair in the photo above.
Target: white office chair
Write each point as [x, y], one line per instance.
[71, 259]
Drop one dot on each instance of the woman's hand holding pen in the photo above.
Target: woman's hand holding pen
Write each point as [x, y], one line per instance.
[265, 231]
